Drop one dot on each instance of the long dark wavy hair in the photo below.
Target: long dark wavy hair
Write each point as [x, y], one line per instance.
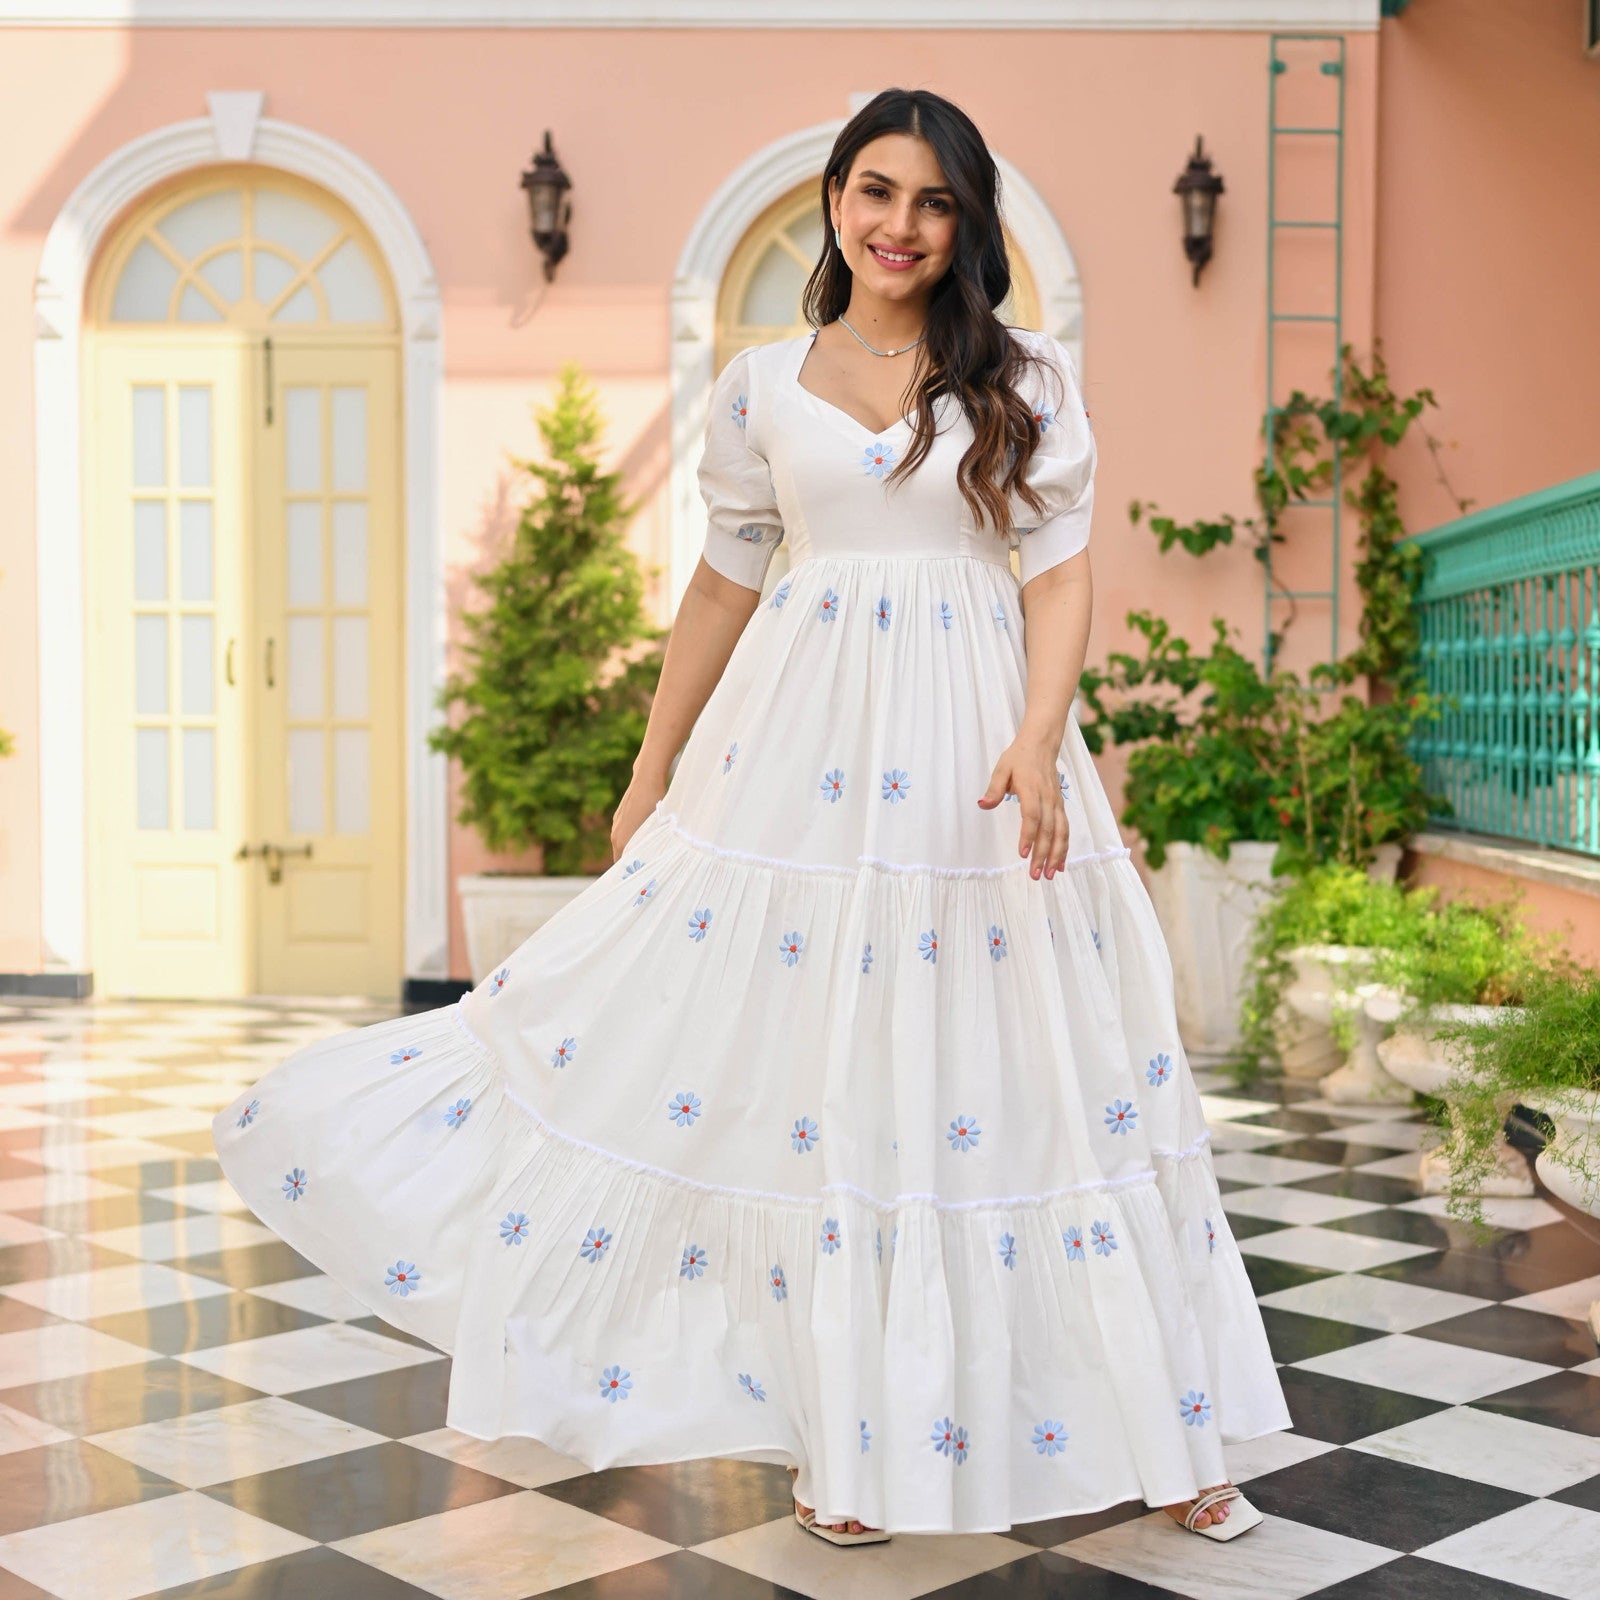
[966, 351]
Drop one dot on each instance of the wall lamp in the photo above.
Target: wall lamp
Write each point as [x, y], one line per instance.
[1199, 186]
[549, 211]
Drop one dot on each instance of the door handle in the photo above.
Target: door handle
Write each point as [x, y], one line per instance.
[271, 681]
[227, 661]
[273, 855]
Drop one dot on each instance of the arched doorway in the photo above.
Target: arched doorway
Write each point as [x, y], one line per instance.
[245, 552]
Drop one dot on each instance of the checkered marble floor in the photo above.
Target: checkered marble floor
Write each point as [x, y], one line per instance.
[188, 1408]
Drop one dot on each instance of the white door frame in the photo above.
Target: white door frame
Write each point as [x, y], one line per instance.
[744, 194]
[234, 131]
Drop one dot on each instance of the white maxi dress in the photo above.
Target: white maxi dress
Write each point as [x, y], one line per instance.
[816, 1131]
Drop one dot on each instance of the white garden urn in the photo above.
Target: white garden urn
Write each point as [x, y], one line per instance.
[1330, 982]
[1569, 1165]
[1414, 1057]
[502, 909]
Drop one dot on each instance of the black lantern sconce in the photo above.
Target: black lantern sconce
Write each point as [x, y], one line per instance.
[1199, 186]
[549, 211]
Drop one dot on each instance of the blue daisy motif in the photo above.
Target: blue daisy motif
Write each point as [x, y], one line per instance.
[457, 1114]
[729, 754]
[896, 785]
[878, 1241]
[563, 1053]
[882, 613]
[699, 921]
[1105, 1240]
[876, 458]
[632, 867]
[964, 1132]
[1120, 1116]
[684, 1109]
[780, 1290]
[1051, 926]
[402, 1278]
[866, 1437]
[615, 1384]
[751, 1387]
[1044, 419]
[248, 1115]
[833, 783]
[1008, 1250]
[498, 981]
[999, 613]
[779, 595]
[1211, 1237]
[294, 1183]
[1049, 1438]
[997, 942]
[943, 1436]
[1011, 794]
[946, 615]
[959, 1445]
[1072, 1238]
[866, 956]
[751, 532]
[1194, 1408]
[741, 410]
[644, 891]
[894, 1240]
[1159, 1070]
[397, 1057]
[928, 945]
[693, 1264]
[1061, 783]
[831, 1237]
[804, 1135]
[828, 606]
[594, 1244]
[790, 946]
[514, 1227]
[1094, 933]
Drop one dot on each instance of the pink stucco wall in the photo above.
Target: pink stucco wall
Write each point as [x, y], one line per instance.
[1174, 375]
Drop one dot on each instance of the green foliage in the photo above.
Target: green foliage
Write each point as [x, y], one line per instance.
[549, 726]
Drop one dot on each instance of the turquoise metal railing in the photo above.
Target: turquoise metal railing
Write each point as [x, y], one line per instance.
[1510, 612]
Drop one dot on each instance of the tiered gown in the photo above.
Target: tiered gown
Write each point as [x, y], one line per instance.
[816, 1130]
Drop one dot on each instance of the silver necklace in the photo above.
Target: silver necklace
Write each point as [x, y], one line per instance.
[900, 352]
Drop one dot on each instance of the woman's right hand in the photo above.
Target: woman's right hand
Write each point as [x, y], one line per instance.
[634, 808]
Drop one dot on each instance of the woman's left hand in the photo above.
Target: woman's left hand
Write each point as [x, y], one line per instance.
[1028, 771]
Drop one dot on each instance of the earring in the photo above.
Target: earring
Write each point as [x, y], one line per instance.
[837, 240]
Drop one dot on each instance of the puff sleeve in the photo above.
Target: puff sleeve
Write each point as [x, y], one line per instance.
[1061, 469]
[743, 526]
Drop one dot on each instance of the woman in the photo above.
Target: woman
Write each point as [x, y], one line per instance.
[829, 1127]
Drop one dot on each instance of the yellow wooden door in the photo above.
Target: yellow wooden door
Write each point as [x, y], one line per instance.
[327, 841]
[167, 649]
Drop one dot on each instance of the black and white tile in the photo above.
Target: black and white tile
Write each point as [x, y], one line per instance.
[188, 1408]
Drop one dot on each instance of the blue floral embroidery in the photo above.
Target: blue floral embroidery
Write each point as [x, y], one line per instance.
[876, 457]
[751, 532]
[833, 783]
[866, 1437]
[498, 981]
[248, 1115]
[866, 956]
[684, 1109]
[1051, 926]
[828, 607]
[594, 1244]
[644, 892]
[615, 1384]
[780, 1290]
[1062, 784]
[1120, 1116]
[564, 1052]
[1094, 933]
[964, 1133]
[1194, 1408]
[894, 1240]
[402, 1278]
[1105, 1240]
[943, 1436]
[928, 945]
[741, 410]
[946, 615]
[790, 946]
[727, 760]
[1044, 419]
[1159, 1070]
[997, 941]
[960, 1444]
[693, 1264]
[1211, 1237]
[514, 1227]
[294, 1183]
[882, 613]
[896, 785]
[779, 595]
[1073, 1240]
[751, 1387]
[878, 1241]
[831, 1239]
[699, 921]
[410, 1053]
[999, 613]
[804, 1136]
[1049, 1438]
[457, 1114]
[632, 866]
[1008, 1251]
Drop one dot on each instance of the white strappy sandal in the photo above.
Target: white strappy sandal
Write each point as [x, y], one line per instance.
[1240, 1518]
[808, 1521]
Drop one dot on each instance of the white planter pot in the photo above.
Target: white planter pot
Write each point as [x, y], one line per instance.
[1577, 1119]
[1329, 982]
[1414, 1057]
[501, 910]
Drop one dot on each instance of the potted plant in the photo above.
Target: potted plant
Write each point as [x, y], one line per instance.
[552, 706]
